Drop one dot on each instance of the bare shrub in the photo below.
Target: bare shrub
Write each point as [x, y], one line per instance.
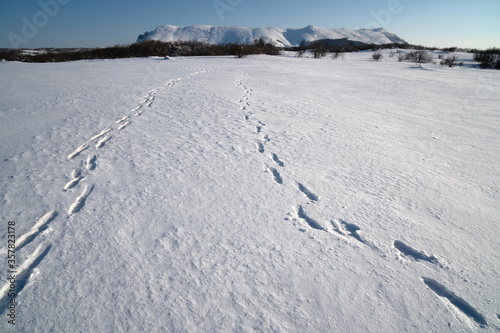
[419, 56]
[450, 61]
[338, 54]
[319, 52]
[377, 56]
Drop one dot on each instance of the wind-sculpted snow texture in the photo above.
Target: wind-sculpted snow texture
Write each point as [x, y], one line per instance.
[266, 193]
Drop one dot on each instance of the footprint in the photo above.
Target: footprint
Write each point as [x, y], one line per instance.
[457, 301]
[72, 183]
[76, 173]
[258, 129]
[127, 117]
[101, 134]
[347, 229]
[310, 195]
[78, 151]
[39, 227]
[125, 125]
[407, 250]
[102, 141]
[260, 147]
[276, 175]
[22, 275]
[299, 211]
[76, 176]
[80, 201]
[277, 160]
[90, 163]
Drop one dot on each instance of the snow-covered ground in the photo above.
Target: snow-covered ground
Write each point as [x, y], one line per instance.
[273, 194]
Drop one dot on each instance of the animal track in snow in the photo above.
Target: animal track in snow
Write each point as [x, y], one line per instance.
[128, 122]
[76, 176]
[102, 141]
[76, 173]
[258, 129]
[90, 162]
[457, 301]
[277, 160]
[310, 195]
[23, 274]
[80, 201]
[276, 175]
[407, 250]
[78, 151]
[127, 117]
[85, 146]
[299, 212]
[39, 227]
[101, 134]
[72, 183]
[347, 229]
[260, 147]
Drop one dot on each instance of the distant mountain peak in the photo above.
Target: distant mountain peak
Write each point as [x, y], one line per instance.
[280, 37]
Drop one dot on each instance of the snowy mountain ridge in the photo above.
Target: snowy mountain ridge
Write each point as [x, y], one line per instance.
[280, 37]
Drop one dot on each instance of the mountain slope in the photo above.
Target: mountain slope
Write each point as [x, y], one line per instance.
[280, 37]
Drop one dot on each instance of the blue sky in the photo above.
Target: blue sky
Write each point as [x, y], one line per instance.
[92, 23]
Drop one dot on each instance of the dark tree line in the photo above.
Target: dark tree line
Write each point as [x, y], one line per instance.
[489, 58]
[143, 49]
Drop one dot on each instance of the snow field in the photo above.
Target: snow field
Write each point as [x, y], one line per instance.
[268, 193]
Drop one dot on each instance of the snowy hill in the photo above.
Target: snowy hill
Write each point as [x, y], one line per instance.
[279, 37]
[268, 194]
